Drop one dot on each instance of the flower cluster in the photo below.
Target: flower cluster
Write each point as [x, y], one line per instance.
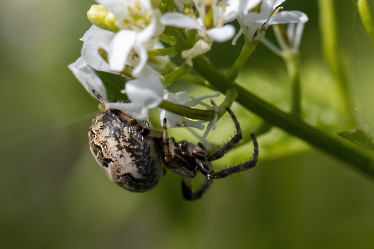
[126, 37]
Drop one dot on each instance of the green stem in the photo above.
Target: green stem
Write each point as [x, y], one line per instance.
[177, 73]
[185, 111]
[247, 50]
[278, 118]
[231, 96]
[366, 18]
[332, 48]
[171, 52]
[171, 40]
[293, 67]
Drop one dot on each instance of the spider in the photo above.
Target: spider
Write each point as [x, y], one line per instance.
[131, 153]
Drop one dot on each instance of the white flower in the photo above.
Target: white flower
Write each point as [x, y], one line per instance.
[289, 42]
[254, 24]
[90, 81]
[200, 47]
[146, 92]
[210, 26]
[88, 77]
[139, 29]
[94, 39]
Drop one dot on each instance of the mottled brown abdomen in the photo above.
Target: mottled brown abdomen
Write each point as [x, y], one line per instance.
[130, 159]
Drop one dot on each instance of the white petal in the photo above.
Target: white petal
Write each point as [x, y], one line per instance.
[255, 17]
[93, 39]
[249, 28]
[117, 7]
[120, 48]
[178, 5]
[211, 126]
[179, 20]
[277, 3]
[197, 100]
[298, 34]
[248, 5]
[143, 58]
[200, 47]
[154, 28]
[132, 109]
[200, 6]
[231, 10]
[268, 6]
[180, 98]
[146, 92]
[88, 77]
[221, 34]
[288, 17]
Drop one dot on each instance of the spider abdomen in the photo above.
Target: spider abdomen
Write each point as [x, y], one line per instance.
[130, 159]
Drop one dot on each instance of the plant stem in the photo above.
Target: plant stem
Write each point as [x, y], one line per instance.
[293, 67]
[247, 50]
[185, 111]
[162, 52]
[331, 48]
[171, 40]
[366, 18]
[231, 96]
[177, 73]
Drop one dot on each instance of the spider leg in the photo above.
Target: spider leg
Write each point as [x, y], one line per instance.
[168, 144]
[142, 130]
[240, 167]
[188, 193]
[238, 136]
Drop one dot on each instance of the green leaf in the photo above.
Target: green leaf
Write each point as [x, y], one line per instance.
[358, 137]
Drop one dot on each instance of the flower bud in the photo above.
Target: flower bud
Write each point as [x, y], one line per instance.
[102, 18]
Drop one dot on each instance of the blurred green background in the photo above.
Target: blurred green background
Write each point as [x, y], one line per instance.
[54, 195]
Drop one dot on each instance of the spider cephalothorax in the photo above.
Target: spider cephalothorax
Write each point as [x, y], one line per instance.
[131, 153]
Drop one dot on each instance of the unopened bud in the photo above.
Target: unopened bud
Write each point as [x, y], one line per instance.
[102, 18]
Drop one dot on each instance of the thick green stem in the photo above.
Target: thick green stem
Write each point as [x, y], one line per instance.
[177, 73]
[331, 48]
[247, 50]
[366, 18]
[293, 67]
[187, 111]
